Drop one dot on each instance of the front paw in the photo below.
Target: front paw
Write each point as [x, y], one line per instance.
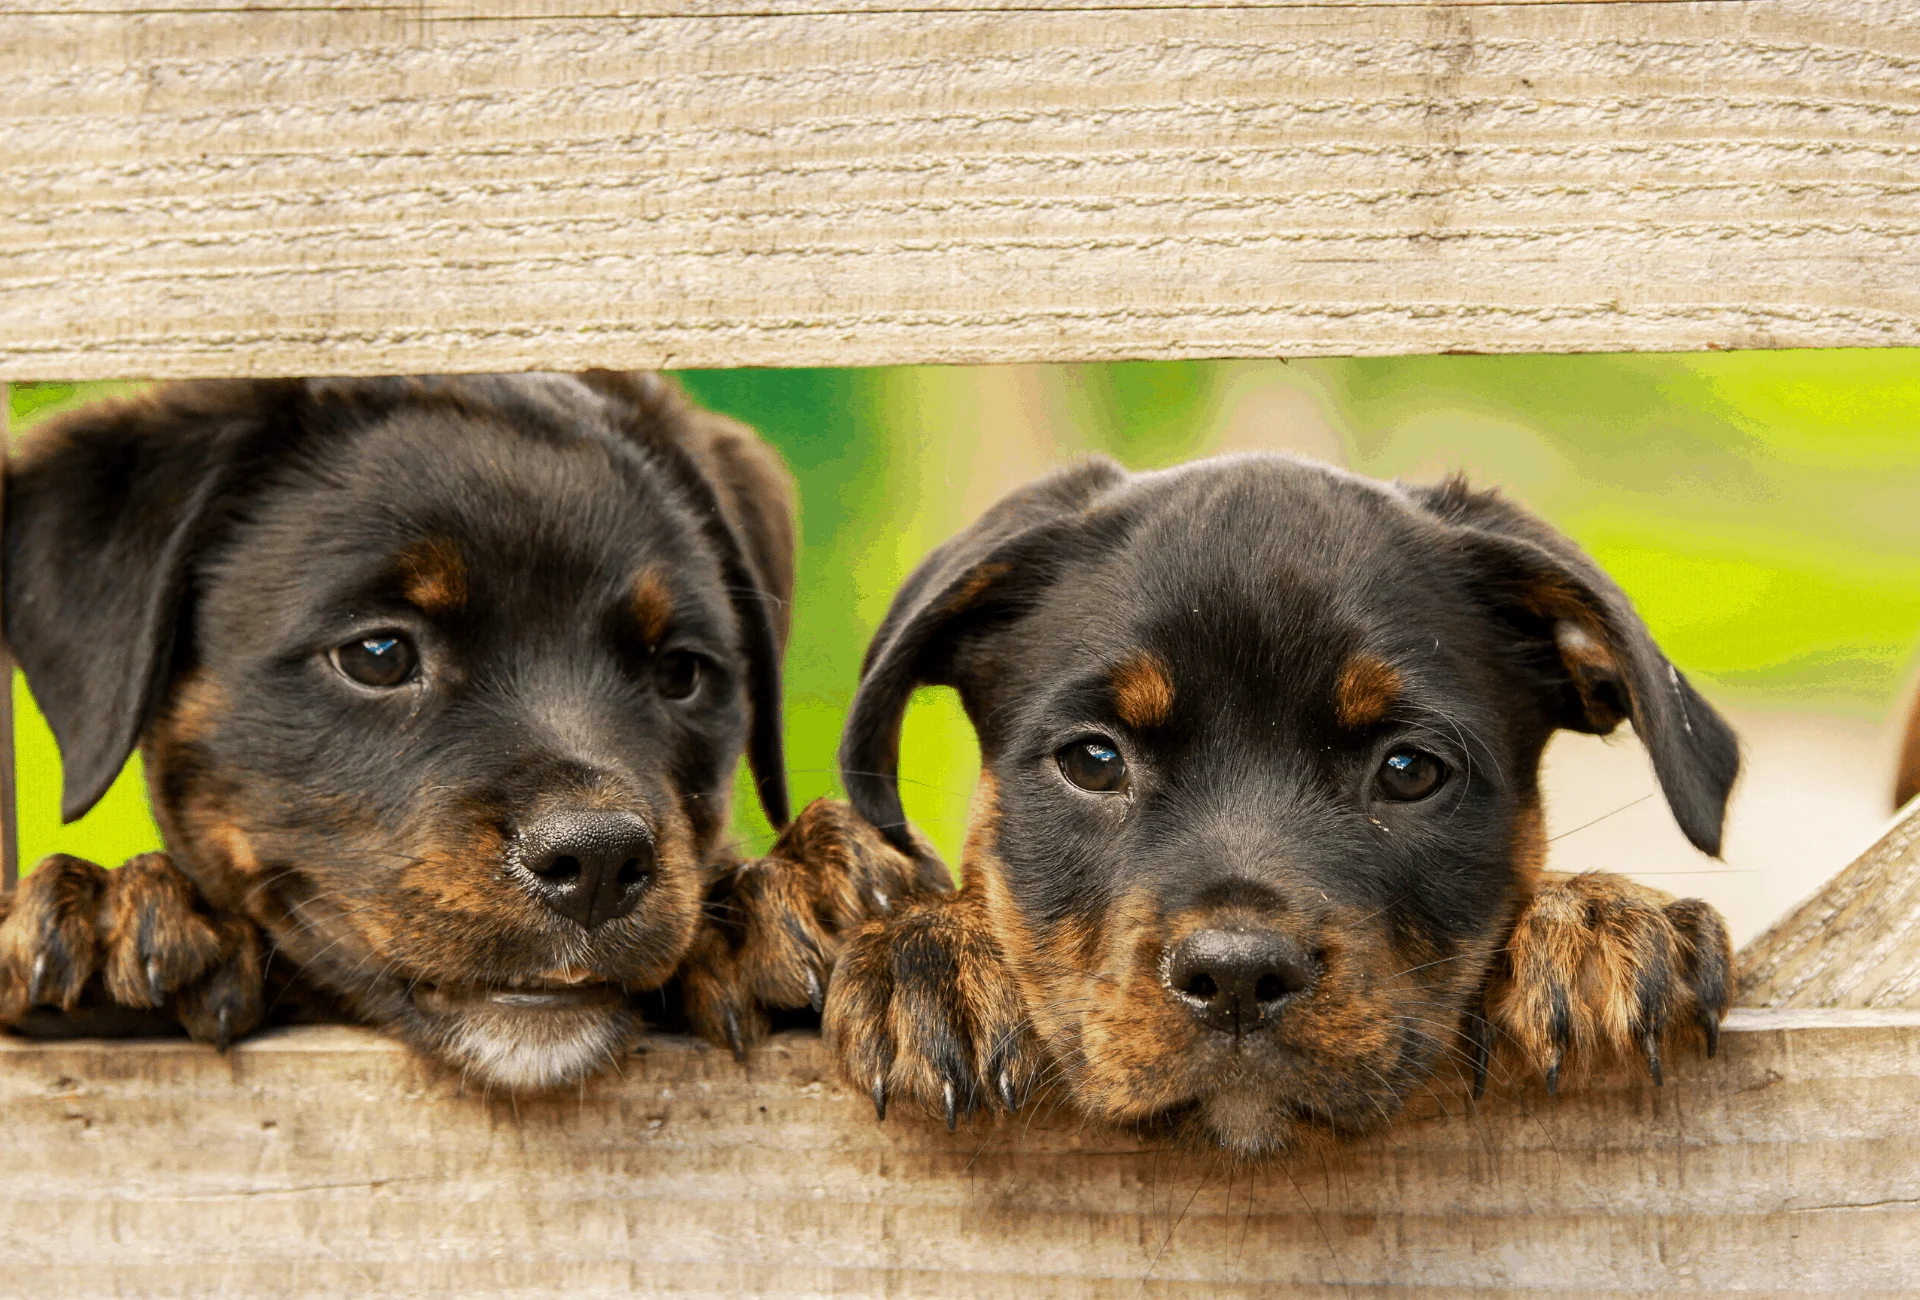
[774, 926]
[49, 944]
[1602, 968]
[140, 934]
[922, 1006]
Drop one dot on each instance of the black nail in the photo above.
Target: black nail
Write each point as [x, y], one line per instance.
[879, 1096]
[1007, 1096]
[816, 996]
[733, 1037]
[1480, 1045]
[1652, 1047]
[1710, 1026]
[156, 993]
[952, 1096]
[222, 1039]
[1553, 1079]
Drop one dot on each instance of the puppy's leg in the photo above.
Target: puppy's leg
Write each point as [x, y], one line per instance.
[924, 1006]
[1602, 968]
[774, 926]
[142, 932]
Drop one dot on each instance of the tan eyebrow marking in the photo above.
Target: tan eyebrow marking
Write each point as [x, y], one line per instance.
[433, 576]
[1367, 687]
[652, 605]
[1142, 689]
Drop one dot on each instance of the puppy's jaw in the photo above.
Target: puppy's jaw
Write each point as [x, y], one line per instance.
[525, 1048]
[1246, 1121]
[1340, 1060]
[384, 939]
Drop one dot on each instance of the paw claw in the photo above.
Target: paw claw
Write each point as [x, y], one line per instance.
[881, 902]
[816, 995]
[223, 1032]
[734, 1039]
[1553, 1079]
[1651, 1046]
[156, 988]
[1007, 1095]
[1710, 1027]
[38, 983]
[1480, 1050]
[951, 1096]
[879, 1097]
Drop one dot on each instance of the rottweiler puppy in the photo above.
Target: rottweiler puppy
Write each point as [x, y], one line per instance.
[441, 685]
[1258, 841]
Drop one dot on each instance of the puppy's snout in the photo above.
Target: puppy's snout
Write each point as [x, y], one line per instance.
[588, 865]
[1232, 980]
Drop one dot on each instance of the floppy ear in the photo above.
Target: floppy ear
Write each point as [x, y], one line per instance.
[105, 510]
[1599, 659]
[743, 491]
[988, 574]
[755, 492]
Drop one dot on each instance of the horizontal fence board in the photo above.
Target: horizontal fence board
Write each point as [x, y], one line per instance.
[196, 188]
[329, 1160]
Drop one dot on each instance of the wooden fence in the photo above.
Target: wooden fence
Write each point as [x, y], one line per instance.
[216, 187]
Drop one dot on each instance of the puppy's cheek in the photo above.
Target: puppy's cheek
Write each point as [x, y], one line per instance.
[1350, 1012]
[1137, 1055]
[1137, 1047]
[459, 872]
[1388, 1010]
[203, 816]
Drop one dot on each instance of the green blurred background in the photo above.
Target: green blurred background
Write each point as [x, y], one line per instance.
[1762, 508]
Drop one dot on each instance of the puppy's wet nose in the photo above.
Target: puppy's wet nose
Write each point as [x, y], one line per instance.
[1232, 980]
[589, 866]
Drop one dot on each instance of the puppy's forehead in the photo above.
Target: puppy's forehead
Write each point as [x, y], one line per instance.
[457, 507]
[1264, 569]
[505, 485]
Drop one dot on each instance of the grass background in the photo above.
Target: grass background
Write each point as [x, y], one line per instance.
[1763, 509]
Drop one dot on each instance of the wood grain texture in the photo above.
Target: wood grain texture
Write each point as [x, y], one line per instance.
[327, 1162]
[1855, 943]
[203, 188]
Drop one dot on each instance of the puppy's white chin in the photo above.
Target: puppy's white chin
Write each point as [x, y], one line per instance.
[539, 1049]
[1246, 1122]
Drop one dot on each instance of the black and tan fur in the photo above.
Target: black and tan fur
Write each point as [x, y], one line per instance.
[1263, 643]
[592, 577]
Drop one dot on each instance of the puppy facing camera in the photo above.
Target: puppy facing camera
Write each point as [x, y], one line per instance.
[441, 685]
[1258, 842]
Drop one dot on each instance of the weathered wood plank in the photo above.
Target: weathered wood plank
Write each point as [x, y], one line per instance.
[1855, 943]
[328, 1161]
[199, 188]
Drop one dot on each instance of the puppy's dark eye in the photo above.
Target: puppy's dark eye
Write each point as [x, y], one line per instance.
[1409, 774]
[384, 659]
[1093, 765]
[677, 674]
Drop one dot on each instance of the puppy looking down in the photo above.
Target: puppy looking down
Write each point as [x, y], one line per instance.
[441, 686]
[1258, 837]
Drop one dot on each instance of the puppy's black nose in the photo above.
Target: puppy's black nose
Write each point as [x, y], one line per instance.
[1232, 980]
[587, 865]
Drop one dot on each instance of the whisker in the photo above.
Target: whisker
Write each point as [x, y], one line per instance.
[1635, 803]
